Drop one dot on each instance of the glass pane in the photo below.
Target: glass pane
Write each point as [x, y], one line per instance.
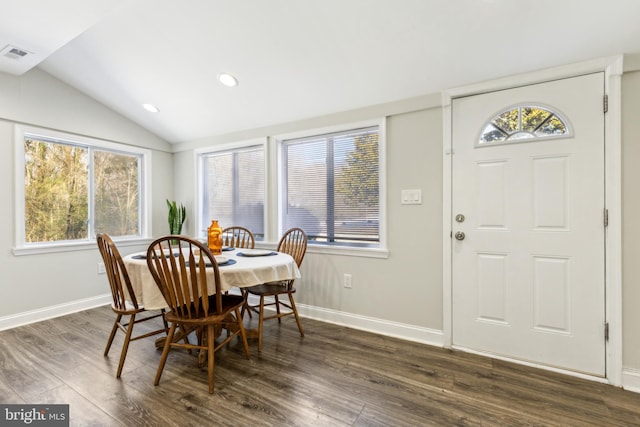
[56, 192]
[554, 126]
[117, 200]
[356, 192]
[306, 188]
[522, 123]
[234, 189]
[332, 186]
[508, 121]
[532, 117]
[218, 185]
[520, 135]
[249, 208]
[491, 134]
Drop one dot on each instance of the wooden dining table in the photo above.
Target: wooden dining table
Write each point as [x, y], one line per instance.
[238, 268]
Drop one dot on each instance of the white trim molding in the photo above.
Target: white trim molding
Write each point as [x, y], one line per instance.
[364, 323]
[372, 324]
[613, 69]
[22, 132]
[631, 379]
[27, 317]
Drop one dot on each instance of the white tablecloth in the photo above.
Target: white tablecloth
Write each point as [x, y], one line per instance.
[247, 271]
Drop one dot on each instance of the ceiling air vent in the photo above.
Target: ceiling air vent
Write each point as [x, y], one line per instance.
[13, 52]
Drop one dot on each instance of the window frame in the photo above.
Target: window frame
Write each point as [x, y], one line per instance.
[379, 251]
[199, 155]
[25, 248]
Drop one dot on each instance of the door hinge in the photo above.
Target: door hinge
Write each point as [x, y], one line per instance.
[606, 217]
[606, 331]
[605, 103]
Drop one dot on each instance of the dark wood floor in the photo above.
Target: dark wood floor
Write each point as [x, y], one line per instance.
[334, 376]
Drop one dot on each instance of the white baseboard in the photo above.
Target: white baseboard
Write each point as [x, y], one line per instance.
[369, 324]
[364, 323]
[372, 324]
[20, 319]
[631, 379]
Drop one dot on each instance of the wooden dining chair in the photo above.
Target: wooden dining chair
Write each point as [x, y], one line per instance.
[238, 237]
[190, 283]
[294, 243]
[124, 301]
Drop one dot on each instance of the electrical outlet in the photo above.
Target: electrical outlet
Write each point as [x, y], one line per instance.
[101, 269]
[347, 281]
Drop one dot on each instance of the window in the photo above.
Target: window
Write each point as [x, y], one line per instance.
[330, 186]
[72, 188]
[233, 182]
[524, 123]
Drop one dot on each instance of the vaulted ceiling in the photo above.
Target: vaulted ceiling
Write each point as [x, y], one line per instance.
[295, 59]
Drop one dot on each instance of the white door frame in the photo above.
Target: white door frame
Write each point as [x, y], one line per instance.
[612, 67]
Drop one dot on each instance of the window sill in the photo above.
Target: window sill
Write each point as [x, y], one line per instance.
[338, 250]
[348, 251]
[48, 248]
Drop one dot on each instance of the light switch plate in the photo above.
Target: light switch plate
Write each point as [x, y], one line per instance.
[411, 197]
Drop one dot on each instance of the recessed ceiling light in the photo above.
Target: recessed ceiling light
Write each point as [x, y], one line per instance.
[227, 79]
[151, 107]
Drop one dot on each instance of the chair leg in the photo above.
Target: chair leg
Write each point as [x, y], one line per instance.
[245, 306]
[295, 313]
[164, 319]
[113, 334]
[199, 333]
[211, 350]
[165, 353]
[243, 333]
[125, 345]
[278, 308]
[260, 321]
[186, 337]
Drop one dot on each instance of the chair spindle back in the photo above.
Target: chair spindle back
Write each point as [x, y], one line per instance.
[121, 289]
[179, 264]
[238, 237]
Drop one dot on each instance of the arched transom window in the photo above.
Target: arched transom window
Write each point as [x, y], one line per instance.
[519, 124]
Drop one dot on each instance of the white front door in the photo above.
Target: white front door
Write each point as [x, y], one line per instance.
[528, 275]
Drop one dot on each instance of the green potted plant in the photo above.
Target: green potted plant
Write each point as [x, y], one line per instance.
[177, 215]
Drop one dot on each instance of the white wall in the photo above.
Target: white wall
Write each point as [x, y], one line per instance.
[400, 295]
[35, 286]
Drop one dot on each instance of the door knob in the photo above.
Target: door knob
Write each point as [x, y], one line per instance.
[459, 235]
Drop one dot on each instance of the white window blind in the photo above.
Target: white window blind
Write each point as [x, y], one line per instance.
[233, 190]
[331, 187]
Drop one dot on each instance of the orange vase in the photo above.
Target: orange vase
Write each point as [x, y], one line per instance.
[214, 237]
